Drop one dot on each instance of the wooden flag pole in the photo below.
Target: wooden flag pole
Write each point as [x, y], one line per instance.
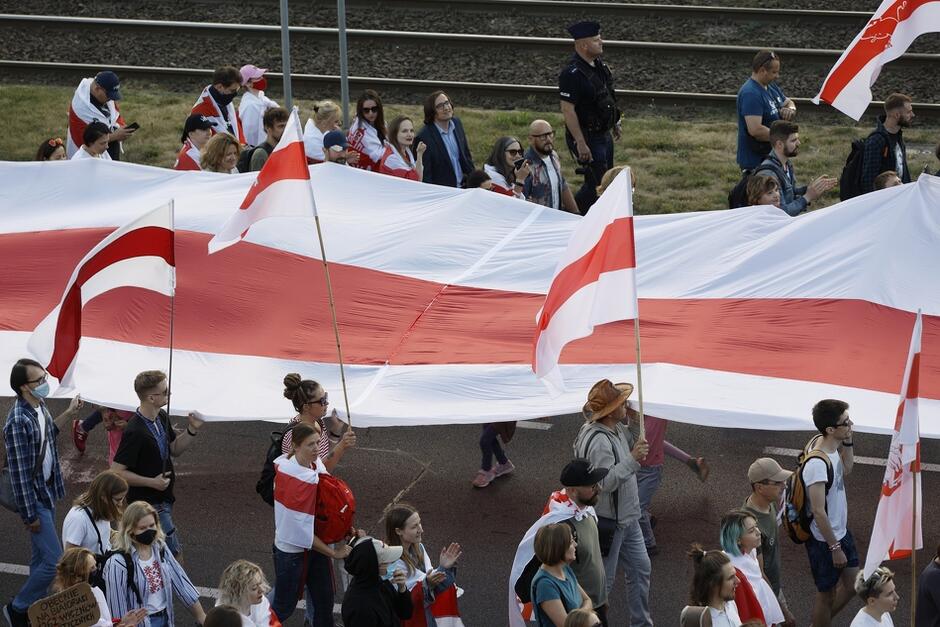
[913, 549]
[639, 372]
[169, 373]
[329, 291]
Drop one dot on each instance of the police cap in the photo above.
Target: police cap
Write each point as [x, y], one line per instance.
[587, 28]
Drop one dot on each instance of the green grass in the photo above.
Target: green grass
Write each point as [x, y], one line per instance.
[680, 165]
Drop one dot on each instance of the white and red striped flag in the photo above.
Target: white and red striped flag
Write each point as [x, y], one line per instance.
[891, 533]
[887, 36]
[595, 282]
[139, 254]
[282, 189]
[295, 501]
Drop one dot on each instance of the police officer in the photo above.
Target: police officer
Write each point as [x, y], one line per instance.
[589, 106]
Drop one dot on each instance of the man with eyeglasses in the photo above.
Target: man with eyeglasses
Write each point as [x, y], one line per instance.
[833, 557]
[545, 184]
[447, 159]
[767, 481]
[589, 106]
[149, 443]
[35, 478]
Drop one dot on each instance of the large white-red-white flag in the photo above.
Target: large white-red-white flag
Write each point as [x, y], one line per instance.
[295, 500]
[139, 254]
[282, 189]
[594, 283]
[896, 519]
[886, 36]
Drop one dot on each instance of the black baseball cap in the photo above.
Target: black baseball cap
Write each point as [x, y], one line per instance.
[579, 472]
[195, 122]
[110, 83]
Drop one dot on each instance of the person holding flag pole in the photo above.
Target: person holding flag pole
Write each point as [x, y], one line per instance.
[897, 531]
[282, 190]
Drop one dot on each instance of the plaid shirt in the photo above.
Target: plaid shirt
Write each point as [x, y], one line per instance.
[22, 437]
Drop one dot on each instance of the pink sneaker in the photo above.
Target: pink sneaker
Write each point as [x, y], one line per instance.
[503, 469]
[483, 478]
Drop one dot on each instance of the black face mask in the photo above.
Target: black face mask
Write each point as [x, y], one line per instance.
[223, 99]
[146, 537]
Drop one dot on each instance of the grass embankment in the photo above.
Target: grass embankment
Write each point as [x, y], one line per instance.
[680, 165]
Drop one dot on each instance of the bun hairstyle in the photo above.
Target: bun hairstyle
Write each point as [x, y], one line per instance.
[707, 576]
[299, 391]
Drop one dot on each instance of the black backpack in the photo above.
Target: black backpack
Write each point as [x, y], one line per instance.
[244, 160]
[850, 182]
[265, 485]
[523, 587]
[737, 197]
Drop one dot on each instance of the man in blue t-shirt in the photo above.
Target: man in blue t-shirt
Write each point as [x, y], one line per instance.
[760, 102]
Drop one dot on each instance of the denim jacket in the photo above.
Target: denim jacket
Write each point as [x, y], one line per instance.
[791, 197]
[537, 186]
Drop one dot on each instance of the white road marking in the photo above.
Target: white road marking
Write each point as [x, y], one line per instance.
[534, 424]
[868, 461]
[208, 593]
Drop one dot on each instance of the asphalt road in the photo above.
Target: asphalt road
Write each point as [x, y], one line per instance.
[221, 518]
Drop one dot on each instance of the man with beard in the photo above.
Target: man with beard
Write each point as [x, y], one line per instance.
[145, 457]
[884, 148]
[785, 142]
[581, 480]
[545, 184]
[714, 583]
[215, 102]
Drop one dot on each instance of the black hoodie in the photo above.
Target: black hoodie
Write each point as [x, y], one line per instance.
[369, 601]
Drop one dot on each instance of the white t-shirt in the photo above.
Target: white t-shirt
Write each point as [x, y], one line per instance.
[47, 459]
[313, 141]
[727, 618]
[837, 508]
[259, 614]
[105, 619]
[81, 153]
[77, 529]
[154, 588]
[863, 619]
[899, 159]
[553, 179]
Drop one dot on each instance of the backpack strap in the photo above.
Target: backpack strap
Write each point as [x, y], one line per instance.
[95, 527]
[810, 451]
[613, 449]
[131, 569]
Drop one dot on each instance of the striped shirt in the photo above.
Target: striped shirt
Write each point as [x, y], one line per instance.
[121, 597]
[323, 445]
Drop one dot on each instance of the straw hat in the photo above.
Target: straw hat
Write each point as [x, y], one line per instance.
[604, 398]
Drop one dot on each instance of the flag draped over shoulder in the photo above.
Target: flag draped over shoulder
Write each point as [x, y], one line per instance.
[886, 36]
[295, 501]
[594, 283]
[896, 519]
[140, 254]
[282, 189]
[558, 509]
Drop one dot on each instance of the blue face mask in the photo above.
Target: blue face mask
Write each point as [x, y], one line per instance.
[41, 391]
[389, 572]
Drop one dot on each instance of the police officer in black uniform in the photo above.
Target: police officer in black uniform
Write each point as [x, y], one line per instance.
[589, 106]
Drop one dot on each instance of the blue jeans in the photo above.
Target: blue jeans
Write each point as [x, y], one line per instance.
[628, 550]
[289, 578]
[489, 446]
[165, 512]
[46, 553]
[648, 479]
[158, 621]
[602, 153]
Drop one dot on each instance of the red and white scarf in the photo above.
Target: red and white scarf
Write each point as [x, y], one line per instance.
[207, 106]
[558, 509]
[188, 158]
[395, 164]
[444, 609]
[295, 501]
[82, 112]
[364, 139]
[500, 184]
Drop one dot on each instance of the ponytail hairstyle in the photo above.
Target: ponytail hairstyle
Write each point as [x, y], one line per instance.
[707, 576]
[301, 391]
[74, 567]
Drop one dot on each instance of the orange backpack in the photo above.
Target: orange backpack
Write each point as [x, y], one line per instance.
[798, 517]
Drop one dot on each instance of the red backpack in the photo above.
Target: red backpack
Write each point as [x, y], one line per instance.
[336, 507]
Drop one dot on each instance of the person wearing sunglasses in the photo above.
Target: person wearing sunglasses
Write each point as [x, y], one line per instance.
[367, 133]
[760, 102]
[447, 160]
[310, 402]
[507, 167]
[545, 184]
[35, 478]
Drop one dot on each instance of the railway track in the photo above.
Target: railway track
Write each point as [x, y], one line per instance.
[557, 45]
[317, 83]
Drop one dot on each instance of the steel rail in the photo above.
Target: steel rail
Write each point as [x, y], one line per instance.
[509, 91]
[329, 35]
